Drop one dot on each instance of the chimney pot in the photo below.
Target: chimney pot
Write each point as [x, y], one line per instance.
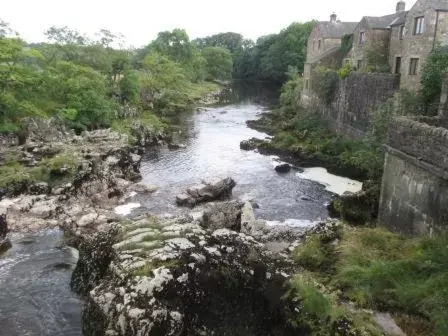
[401, 6]
[333, 17]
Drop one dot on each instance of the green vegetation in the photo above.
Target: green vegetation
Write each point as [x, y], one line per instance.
[320, 313]
[433, 74]
[88, 84]
[267, 59]
[377, 269]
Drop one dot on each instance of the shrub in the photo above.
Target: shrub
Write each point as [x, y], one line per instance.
[325, 83]
[433, 74]
[346, 70]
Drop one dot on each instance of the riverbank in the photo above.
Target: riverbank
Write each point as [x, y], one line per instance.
[361, 268]
[304, 140]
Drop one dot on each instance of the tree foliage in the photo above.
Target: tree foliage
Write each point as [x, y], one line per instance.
[88, 83]
[433, 74]
[219, 62]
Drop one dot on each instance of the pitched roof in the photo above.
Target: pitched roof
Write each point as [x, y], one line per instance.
[336, 29]
[400, 20]
[438, 4]
[384, 22]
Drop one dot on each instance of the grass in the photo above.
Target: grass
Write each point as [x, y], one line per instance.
[382, 270]
[198, 90]
[15, 177]
[320, 313]
[147, 118]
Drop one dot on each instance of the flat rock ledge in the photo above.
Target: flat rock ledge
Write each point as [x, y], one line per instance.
[206, 191]
[153, 276]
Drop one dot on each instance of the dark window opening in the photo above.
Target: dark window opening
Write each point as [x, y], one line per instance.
[413, 66]
[398, 65]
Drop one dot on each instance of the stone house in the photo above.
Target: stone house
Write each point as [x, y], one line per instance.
[404, 38]
[324, 43]
[373, 35]
[425, 27]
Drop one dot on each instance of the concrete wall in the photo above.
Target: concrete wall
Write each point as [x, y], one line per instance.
[354, 102]
[414, 194]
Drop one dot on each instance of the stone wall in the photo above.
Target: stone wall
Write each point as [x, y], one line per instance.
[355, 100]
[379, 38]
[395, 48]
[414, 193]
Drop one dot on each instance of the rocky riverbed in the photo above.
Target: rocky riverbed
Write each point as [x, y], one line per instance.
[217, 269]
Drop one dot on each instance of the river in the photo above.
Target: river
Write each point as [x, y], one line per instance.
[35, 297]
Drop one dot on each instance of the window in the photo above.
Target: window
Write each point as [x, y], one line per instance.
[360, 64]
[314, 45]
[419, 25]
[362, 37]
[413, 66]
[306, 84]
[319, 44]
[401, 32]
[398, 65]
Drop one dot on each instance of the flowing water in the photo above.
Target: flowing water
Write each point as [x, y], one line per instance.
[35, 297]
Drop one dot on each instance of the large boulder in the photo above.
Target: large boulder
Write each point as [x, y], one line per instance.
[171, 277]
[206, 191]
[225, 215]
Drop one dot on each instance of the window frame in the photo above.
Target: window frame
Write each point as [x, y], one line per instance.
[414, 63]
[419, 25]
[401, 32]
[362, 37]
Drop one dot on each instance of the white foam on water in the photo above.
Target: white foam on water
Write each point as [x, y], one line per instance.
[300, 223]
[126, 209]
[333, 183]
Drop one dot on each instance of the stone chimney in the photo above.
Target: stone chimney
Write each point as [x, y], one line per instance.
[333, 18]
[401, 6]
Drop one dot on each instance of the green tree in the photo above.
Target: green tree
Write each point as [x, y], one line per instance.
[20, 84]
[219, 62]
[163, 82]
[433, 74]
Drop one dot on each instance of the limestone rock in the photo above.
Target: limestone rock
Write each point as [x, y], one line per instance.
[206, 191]
[170, 277]
[223, 215]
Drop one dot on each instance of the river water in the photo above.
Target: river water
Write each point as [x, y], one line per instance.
[35, 297]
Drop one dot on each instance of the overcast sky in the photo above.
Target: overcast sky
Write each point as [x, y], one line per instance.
[140, 20]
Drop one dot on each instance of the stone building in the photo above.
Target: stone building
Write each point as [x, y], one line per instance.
[425, 27]
[373, 34]
[324, 44]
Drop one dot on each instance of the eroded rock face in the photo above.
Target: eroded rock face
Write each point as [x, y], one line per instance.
[172, 277]
[224, 215]
[4, 238]
[206, 191]
[103, 169]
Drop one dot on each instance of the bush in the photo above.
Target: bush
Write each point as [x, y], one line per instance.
[433, 74]
[324, 83]
[346, 70]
